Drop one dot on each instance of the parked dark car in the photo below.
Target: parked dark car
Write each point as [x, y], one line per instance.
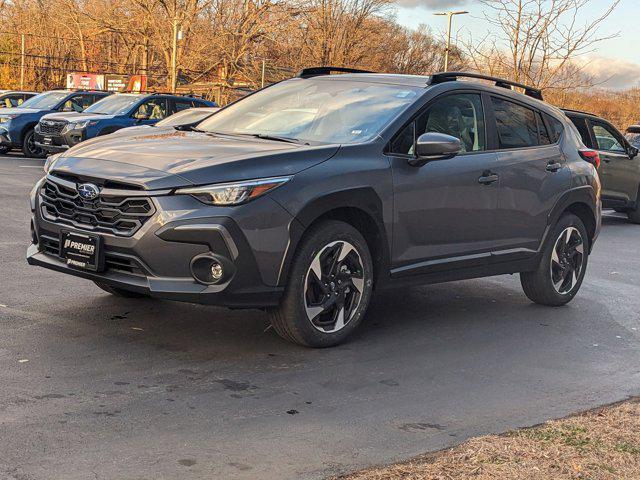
[620, 165]
[13, 98]
[58, 132]
[17, 124]
[633, 135]
[187, 118]
[182, 120]
[375, 180]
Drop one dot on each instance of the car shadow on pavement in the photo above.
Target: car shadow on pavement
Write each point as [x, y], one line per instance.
[432, 317]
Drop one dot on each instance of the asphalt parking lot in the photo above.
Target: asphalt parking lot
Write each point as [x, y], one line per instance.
[104, 388]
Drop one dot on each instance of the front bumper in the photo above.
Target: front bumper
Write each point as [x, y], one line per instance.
[58, 143]
[157, 258]
[5, 138]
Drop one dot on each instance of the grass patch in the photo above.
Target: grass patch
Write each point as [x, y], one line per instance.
[602, 444]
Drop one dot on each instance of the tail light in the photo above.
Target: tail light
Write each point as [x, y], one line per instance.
[590, 156]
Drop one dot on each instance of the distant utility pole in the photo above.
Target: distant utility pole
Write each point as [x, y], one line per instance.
[450, 17]
[22, 58]
[177, 35]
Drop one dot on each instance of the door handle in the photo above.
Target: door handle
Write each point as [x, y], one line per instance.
[488, 178]
[553, 166]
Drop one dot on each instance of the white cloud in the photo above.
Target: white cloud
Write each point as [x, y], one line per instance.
[612, 72]
[432, 4]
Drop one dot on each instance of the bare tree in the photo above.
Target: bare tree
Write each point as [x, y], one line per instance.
[538, 42]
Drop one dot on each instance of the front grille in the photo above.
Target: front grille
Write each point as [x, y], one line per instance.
[52, 127]
[70, 177]
[112, 261]
[120, 215]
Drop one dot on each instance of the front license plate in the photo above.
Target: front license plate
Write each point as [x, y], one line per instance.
[81, 250]
[47, 140]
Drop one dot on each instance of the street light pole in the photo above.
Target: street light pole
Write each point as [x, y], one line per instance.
[22, 57]
[177, 35]
[449, 15]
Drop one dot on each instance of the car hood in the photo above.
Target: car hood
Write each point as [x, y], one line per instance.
[20, 111]
[172, 158]
[75, 116]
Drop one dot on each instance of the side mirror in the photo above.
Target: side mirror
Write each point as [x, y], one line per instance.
[435, 146]
[633, 152]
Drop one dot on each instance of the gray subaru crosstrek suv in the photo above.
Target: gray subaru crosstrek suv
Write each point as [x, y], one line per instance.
[304, 197]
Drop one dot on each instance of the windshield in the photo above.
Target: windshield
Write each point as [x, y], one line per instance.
[185, 117]
[315, 110]
[45, 101]
[114, 104]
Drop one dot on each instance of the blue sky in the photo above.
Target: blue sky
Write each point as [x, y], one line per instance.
[619, 55]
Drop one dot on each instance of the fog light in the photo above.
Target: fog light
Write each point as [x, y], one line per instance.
[216, 271]
[211, 269]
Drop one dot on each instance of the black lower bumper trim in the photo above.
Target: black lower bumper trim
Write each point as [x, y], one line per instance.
[182, 290]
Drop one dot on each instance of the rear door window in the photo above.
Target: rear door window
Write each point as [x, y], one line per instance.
[516, 125]
[583, 129]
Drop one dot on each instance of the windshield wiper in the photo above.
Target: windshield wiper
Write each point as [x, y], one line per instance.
[275, 138]
[261, 136]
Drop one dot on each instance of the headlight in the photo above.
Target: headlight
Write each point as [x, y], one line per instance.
[233, 193]
[79, 125]
[50, 161]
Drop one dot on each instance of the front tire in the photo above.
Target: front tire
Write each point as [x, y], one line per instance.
[329, 288]
[564, 263]
[29, 147]
[119, 292]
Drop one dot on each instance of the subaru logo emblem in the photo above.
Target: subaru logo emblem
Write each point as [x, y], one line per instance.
[88, 191]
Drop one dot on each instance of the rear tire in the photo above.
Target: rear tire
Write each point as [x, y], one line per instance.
[634, 215]
[29, 148]
[119, 292]
[329, 288]
[564, 263]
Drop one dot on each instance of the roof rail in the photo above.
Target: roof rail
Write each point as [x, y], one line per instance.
[581, 112]
[317, 71]
[91, 90]
[160, 92]
[499, 82]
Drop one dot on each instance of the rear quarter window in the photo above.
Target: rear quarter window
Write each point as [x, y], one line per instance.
[556, 128]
